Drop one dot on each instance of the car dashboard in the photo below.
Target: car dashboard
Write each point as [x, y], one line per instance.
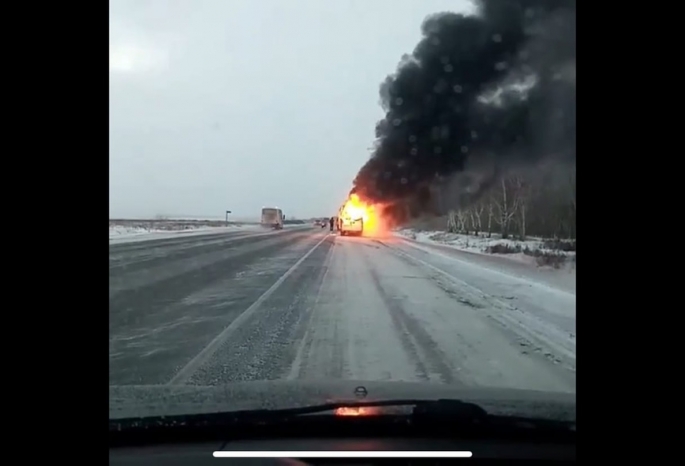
[202, 453]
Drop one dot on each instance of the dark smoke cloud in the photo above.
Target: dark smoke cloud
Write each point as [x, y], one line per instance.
[464, 97]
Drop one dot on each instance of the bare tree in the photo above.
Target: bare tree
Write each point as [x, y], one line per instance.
[452, 221]
[506, 205]
[522, 191]
[491, 214]
[476, 214]
[572, 183]
[461, 220]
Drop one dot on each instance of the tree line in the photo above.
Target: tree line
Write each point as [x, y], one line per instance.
[519, 204]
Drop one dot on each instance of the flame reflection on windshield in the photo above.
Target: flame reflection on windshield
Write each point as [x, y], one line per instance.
[356, 411]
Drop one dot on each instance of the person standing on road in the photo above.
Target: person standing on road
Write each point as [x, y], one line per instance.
[331, 222]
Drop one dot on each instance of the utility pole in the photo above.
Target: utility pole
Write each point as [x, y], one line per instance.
[227, 212]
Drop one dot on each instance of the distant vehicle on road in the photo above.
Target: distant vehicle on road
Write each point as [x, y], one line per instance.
[272, 217]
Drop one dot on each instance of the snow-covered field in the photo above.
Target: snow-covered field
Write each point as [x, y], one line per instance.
[140, 230]
[534, 251]
[126, 231]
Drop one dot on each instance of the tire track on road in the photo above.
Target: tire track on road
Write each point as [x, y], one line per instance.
[154, 254]
[258, 344]
[312, 324]
[530, 332]
[157, 329]
[145, 291]
[417, 343]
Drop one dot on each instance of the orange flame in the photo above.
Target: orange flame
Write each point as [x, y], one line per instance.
[356, 208]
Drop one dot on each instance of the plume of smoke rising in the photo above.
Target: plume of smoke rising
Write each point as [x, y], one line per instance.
[479, 92]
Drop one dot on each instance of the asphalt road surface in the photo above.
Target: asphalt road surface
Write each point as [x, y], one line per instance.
[306, 304]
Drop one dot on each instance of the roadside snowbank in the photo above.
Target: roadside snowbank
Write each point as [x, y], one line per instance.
[126, 233]
[534, 251]
[120, 231]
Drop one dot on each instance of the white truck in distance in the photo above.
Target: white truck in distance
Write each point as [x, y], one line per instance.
[272, 217]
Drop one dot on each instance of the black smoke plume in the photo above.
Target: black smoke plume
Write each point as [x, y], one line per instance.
[497, 86]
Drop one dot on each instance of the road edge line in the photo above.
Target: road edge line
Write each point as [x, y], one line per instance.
[208, 351]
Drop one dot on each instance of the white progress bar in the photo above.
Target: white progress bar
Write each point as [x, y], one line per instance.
[343, 454]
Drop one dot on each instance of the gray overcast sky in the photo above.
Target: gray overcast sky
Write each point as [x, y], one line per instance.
[238, 104]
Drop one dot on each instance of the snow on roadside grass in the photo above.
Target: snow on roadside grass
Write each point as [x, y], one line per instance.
[117, 231]
[123, 230]
[538, 251]
[136, 230]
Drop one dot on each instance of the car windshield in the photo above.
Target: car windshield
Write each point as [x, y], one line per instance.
[434, 141]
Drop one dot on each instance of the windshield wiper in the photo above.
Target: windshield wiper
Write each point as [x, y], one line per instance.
[450, 410]
[453, 418]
